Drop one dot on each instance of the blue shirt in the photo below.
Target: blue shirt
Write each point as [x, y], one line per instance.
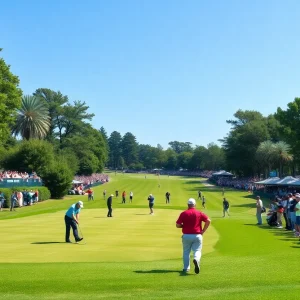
[151, 199]
[73, 211]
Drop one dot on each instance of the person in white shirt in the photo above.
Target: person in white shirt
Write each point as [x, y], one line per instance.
[130, 197]
[259, 206]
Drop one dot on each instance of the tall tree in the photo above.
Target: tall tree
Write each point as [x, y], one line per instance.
[282, 154]
[55, 102]
[249, 129]
[290, 128]
[32, 119]
[129, 149]
[180, 147]
[115, 150]
[10, 99]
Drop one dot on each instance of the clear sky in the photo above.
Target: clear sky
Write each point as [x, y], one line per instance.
[162, 69]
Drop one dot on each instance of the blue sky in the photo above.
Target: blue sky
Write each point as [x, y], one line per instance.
[164, 70]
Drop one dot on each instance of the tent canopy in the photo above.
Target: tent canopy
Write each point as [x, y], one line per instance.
[77, 182]
[222, 173]
[286, 181]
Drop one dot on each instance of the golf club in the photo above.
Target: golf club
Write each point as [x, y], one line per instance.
[84, 242]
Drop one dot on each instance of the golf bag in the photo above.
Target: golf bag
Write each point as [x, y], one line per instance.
[272, 218]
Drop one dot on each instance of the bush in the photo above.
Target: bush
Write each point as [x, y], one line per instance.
[44, 193]
[58, 179]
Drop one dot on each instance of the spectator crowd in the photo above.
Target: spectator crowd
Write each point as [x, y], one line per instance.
[17, 175]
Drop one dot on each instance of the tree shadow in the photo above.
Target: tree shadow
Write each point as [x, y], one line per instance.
[47, 243]
[181, 273]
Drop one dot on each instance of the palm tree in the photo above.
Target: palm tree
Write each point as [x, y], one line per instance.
[33, 120]
[265, 155]
[282, 154]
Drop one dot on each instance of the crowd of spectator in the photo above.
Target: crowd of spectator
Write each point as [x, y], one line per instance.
[18, 175]
[20, 198]
[246, 183]
[91, 179]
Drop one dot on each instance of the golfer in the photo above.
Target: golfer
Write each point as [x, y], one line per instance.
[109, 206]
[191, 223]
[151, 203]
[71, 220]
[225, 207]
[130, 197]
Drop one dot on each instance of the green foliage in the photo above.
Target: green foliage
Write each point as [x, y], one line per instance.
[115, 150]
[58, 178]
[32, 119]
[249, 129]
[180, 147]
[29, 156]
[10, 99]
[129, 148]
[44, 193]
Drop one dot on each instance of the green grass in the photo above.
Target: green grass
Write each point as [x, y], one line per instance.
[137, 256]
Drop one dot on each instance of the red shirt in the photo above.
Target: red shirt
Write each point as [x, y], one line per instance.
[192, 219]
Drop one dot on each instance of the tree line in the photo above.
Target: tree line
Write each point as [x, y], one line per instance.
[46, 132]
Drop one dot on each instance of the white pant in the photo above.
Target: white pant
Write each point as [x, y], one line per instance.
[191, 242]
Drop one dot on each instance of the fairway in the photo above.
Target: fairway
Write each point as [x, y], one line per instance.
[136, 255]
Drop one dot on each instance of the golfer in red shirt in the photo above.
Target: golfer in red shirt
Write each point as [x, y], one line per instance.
[191, 223]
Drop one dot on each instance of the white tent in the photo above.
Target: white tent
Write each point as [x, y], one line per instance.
[76, 182]
[222, 173]
[268, 181]
[289, 180]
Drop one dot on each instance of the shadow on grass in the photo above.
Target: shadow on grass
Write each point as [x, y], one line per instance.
[141, 214]
[181, 273]
[47, 243]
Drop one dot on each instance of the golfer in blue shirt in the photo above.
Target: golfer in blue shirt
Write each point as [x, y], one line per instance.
[71, 220]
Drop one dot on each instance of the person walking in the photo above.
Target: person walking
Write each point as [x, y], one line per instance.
[191, 221]
[168, 197]
[71, 220]
[225, 207]
[151, 203]
[130, 197]
[104, 194]
[124, 197]
[109, 206]
[259, 206]
[203, 201]
[117, 193]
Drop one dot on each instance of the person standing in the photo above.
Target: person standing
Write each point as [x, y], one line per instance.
[71, 220]
[124, 197]
[109, 206]
[259, 206]
[203, 201]
[191, 223]
[292, 213]
[130, 197]
[199, 195]
[90, 193]
[13, 200]
[104, 194]
[223, 191]
[2, 199]
[117, 193]
[151, 203]
[225, 207]
[297, 211]
[168, 197]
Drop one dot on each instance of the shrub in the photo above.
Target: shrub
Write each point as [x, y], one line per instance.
[44, 193]
[58, 179]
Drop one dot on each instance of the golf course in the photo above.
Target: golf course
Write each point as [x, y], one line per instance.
[135, 255]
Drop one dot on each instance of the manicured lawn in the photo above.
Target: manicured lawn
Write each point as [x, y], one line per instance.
[138, 256]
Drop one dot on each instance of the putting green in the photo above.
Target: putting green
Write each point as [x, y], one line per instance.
[131, 235]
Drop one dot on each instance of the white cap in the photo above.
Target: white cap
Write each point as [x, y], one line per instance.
[191, 201]
[80, 203]
[111, 195]
[297, 195]
[150, 194]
